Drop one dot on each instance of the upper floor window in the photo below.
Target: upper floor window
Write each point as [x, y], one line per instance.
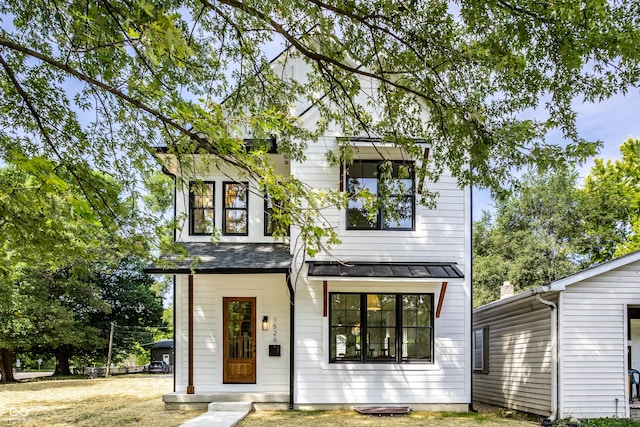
[201, 207]
[381, 327]
[366, 180]
[236, 208]
[272, 217]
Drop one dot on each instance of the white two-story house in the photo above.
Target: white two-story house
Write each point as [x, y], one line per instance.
[382, 320]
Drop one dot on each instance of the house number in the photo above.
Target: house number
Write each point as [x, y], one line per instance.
[275, 330]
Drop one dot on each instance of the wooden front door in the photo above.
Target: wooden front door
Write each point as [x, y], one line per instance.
[239, 360]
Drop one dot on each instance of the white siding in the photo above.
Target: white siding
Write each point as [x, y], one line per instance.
[272, 299]
[319, 382]
[220, 174]
[519, 372]
[439, 234]
[593, 343]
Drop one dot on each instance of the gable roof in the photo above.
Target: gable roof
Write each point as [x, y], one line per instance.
[226, 258]
[561, 284]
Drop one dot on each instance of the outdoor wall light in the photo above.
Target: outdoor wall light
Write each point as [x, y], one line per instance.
[265, 323]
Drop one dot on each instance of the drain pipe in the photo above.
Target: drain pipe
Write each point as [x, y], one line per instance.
[292, 339]
[554, 360]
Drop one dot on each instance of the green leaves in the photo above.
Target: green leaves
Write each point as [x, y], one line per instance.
[549, 228]
[90, 85]
[533, 239]
[612, 197]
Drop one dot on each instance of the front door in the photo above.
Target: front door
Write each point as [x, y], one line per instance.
[239, 364]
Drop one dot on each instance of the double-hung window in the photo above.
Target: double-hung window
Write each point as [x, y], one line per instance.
[481, 350]
[272, 217]
[201, 207]
[390, 328]
[366, 181]
[236, 208]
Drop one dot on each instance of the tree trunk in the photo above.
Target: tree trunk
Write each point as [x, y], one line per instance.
[62, 363]
[6, 366]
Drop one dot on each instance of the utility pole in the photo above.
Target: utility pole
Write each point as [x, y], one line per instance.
[113, 325]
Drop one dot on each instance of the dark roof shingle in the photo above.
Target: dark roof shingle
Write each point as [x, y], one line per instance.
[226, 258]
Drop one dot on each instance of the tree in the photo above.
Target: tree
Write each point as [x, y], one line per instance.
[39, 222]
[534, 238]
[133, 305]
[612, 194]
[107, 81]
[52, 242]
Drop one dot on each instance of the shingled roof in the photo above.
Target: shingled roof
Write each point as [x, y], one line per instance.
[227, 258]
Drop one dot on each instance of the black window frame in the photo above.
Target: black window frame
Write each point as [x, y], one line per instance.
[380, 222]
[226, 208]
[362, 328]
[193, 208]
[268, 221]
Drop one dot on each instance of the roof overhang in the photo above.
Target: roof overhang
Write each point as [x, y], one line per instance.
[225, 258]
[383, 271]
[561, 285]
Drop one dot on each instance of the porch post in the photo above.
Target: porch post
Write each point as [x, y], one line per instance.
[190, 388]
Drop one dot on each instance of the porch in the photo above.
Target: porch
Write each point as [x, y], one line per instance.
[260, 401]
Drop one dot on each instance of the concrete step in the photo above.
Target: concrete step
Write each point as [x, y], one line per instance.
[230, 407]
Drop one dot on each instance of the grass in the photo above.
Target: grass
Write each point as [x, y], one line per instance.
[352, 419]
[131, 400]
[135, 400]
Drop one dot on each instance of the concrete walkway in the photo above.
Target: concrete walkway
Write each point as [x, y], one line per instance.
[221, 414]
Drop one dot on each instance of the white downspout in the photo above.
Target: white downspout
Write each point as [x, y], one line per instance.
[554, 360]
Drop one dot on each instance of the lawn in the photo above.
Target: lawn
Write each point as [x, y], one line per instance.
[353, 419]
[135, 400]
[131, 400]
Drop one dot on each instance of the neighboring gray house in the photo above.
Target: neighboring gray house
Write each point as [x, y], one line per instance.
[163, 350]
[564, 349]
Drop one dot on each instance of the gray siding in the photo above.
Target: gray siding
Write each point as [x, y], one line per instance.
[519, 373]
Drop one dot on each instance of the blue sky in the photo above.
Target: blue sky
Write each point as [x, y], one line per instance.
[611, 122]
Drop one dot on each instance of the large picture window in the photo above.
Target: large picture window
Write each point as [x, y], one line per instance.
[364, 179]
[381, 327]
[236, 208]
[201, 207]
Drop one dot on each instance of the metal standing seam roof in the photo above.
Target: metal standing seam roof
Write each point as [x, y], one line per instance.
[205, 257]
[417, 270]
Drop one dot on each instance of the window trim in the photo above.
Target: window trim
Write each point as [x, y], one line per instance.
[225, 208]
[192, 209]
[345, 175]
[398, 330]
[484, 357]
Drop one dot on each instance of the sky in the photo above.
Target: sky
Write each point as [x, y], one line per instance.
[611, 121]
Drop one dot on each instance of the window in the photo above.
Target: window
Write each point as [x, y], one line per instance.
[364, 178]
[381, 327]
[236, 208]
[201, 207]
[271, 217]
[481, 350]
